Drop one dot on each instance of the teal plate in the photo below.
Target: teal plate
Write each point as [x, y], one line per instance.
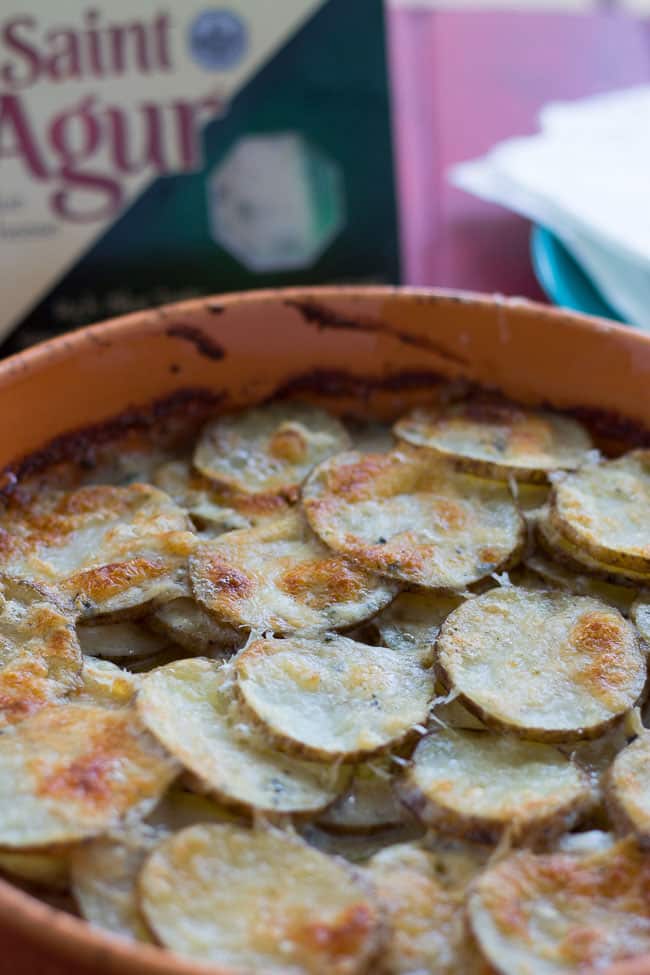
[563, 279]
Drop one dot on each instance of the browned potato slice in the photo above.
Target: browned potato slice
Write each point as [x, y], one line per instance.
[213, 509]
[560, 577]
[72, 772]
[105, 685]
[498, 440]
[359, 847]
[413, 620]
[410, 516]
[561, 913]
[104, 875]
[426, 916]
[561, 549]
[604, 509]
[628, 788]
[111, 549]
[334, 698]
[215, 893]
[270, 449]
[640, 613]
[547, 665]
[476, 785]
[195, 630]
[40, 657]
[280, 577]
[119, 641]
[369, 804]
[189, 707]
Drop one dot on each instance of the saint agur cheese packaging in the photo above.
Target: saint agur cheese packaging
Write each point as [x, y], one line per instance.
[151, 151]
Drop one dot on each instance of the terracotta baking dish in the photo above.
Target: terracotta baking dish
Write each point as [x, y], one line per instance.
[362, 349]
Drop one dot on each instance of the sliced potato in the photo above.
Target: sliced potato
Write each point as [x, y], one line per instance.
[195, 630]
[105, 685]
[498, 439]
[215, 893]
[547, 665]
[561, 577]
[213, 509]
[71, 772]
[270, 449]
[333, 698]
[426, 917]
[104, 874]
[477, 785]
[119, 641]
[359, 847]
[40, 657]
[413, 621]
[604, 509]
[369, 804]
[189, 707]
[563, 913]
[179, 808]
[280, 577]
[410, 516]
[628, 788]
[640, 613]
[562, 550]
[49, 869]
[111, 549]
[590, 841]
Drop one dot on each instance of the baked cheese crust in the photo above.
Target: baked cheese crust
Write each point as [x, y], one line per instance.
[268, 450]
[333, 698]
[410, 516]
[280, 577]
[498, 440]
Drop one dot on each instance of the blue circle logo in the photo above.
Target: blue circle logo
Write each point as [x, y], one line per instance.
[218, 39]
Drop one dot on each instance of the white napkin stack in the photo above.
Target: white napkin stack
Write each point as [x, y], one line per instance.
[585, 176]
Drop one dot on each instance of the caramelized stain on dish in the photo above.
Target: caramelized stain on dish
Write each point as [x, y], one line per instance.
[332, 639]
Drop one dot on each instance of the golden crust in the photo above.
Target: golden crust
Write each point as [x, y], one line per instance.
[410, 516]
[280, 577]
[188, 705]
[270, 449]
[109, 549]
[563, 913]
[40, 657]
[604, 509]
[333, 698]
[72, 772]
[628, 788]
[477, 785]
[195, 630]
[498, 439]
[213, 893]
[547, 665]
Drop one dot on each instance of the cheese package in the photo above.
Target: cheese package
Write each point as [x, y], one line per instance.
[152, 151]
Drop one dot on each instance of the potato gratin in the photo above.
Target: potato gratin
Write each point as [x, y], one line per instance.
[304, 697]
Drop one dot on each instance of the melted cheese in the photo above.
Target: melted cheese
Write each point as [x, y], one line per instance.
[498, 440]
[334, 697]
[548, 664]
[410, 516]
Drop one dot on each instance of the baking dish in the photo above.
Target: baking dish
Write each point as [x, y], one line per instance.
[355, 350]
